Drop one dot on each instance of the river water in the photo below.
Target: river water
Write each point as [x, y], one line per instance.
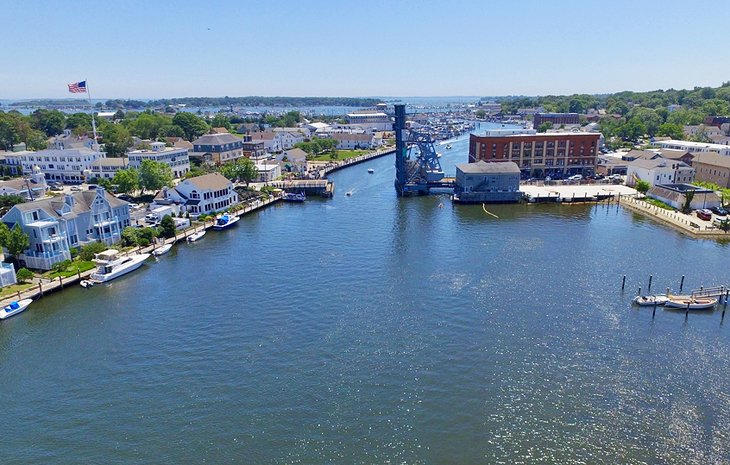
[372, 329]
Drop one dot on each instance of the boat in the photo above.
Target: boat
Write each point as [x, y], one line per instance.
[371, 171]
[110, 264]
[85, 283]
[294, 197]
[13, 308]
[691, 303]
[650, 300]
[448, 147]
[348, 193]
[161, 250]
[194, 237]
[225, 222]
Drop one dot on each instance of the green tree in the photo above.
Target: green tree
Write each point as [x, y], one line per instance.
[8, 201]
[642, 186]
[36, 140]
[116, 139]
[52, 122]
[126, 180]
[675, 131]
[154, 175]
[15, 240]
[167, 226]
[192, 126]
[8, 134]
[221, 121]
[87, 252]
[242, 169]
[172, 130]
[481, 114]
[24, 275]
[687, 205]
[544, 126]
[79, 123]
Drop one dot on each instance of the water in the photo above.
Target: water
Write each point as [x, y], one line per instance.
[371, 329]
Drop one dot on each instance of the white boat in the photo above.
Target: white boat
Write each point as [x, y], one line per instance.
[161, 250]
[371, 171]
[111, 265]
[85, 283]
[194, 237]
[448, 147]
[225, 222]
[691, 303]
[13, 308]
[650, 300]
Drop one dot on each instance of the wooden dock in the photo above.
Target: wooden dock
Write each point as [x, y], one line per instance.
[717, 291]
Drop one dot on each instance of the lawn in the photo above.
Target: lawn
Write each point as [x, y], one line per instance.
[13, 289]
[72, 270]
[341, 155]
[659, 203]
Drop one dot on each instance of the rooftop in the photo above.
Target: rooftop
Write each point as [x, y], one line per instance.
[483, 167]
[212, 181]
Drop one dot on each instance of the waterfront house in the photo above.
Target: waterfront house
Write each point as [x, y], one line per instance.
[199, 195]
[712, 167]
[497, 182]
[70, 166]
[55, 225]
[350, 141]
[658, 171]
[675, 196]
[254, 150]
[270, 139]
[106, 168]
[30, 188]
[175, 157]
[267, 172]
[293, 160]
[217, 148]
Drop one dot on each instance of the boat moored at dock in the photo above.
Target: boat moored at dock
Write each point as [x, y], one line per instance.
[650, 300]
[294, 197]
[196, 236]
[13, 308]
[110, 264]
[690, 303]
[161, 250]
[225, 221]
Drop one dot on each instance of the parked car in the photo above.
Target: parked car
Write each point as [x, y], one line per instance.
[719, 211]
[76, 188]
[704, 214]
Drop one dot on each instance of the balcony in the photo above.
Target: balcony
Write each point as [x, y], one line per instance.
[45, 260]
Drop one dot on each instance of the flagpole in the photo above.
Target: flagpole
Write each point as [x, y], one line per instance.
[93, 120]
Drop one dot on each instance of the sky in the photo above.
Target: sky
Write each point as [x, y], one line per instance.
[163, 49]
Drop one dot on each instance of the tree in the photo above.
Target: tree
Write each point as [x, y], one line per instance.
[52, 122]
[116, 139]
[35, 140]
[126, 180]
[642, 186]
[481, 114]
[15, 240]
[24, 275]
[242, 169]
[544, 126]
[221, 121]
[79, 123]
[8, 134]
[724, 225]
[167, 226]
[8, 201]
[674, 131]
[688, 197]
[154, 175]
[171, 130]
[88, 251]
[192, 126]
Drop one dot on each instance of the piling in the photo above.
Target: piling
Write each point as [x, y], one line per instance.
[19, 296]
[78, 273]
[653, 312]
[681, 284]
[60, 280]
[648, 290]
[686, 312]
[623, 283]
[639, 293]
[40, 289]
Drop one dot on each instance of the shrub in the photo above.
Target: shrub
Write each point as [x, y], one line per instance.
[88, 251]
[24, 275]
[61, 266]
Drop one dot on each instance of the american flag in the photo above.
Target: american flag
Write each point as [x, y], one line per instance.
[77, 87]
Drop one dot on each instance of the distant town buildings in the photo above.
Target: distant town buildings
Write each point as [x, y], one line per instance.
[540, 155]
[555, 119]
[375, 119]
[712, 167]
[176, 158]
[694, 147]
[217, 148]
[70, 165]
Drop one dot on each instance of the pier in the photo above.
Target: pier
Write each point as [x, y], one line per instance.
[42, 288]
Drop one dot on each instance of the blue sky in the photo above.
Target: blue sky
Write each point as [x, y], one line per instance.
[154, 49]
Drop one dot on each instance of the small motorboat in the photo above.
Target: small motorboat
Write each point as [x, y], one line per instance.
[225, 222]
[348, 193]
[85, 283]
[448, 147]
[294, 197]
[161, 250]
[13, 308]
[691, 303]
[371, 171]
[650, 300]
[196, 236]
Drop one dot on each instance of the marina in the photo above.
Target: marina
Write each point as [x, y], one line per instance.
[418, 338]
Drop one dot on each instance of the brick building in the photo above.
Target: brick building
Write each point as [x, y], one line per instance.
[538, 155]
